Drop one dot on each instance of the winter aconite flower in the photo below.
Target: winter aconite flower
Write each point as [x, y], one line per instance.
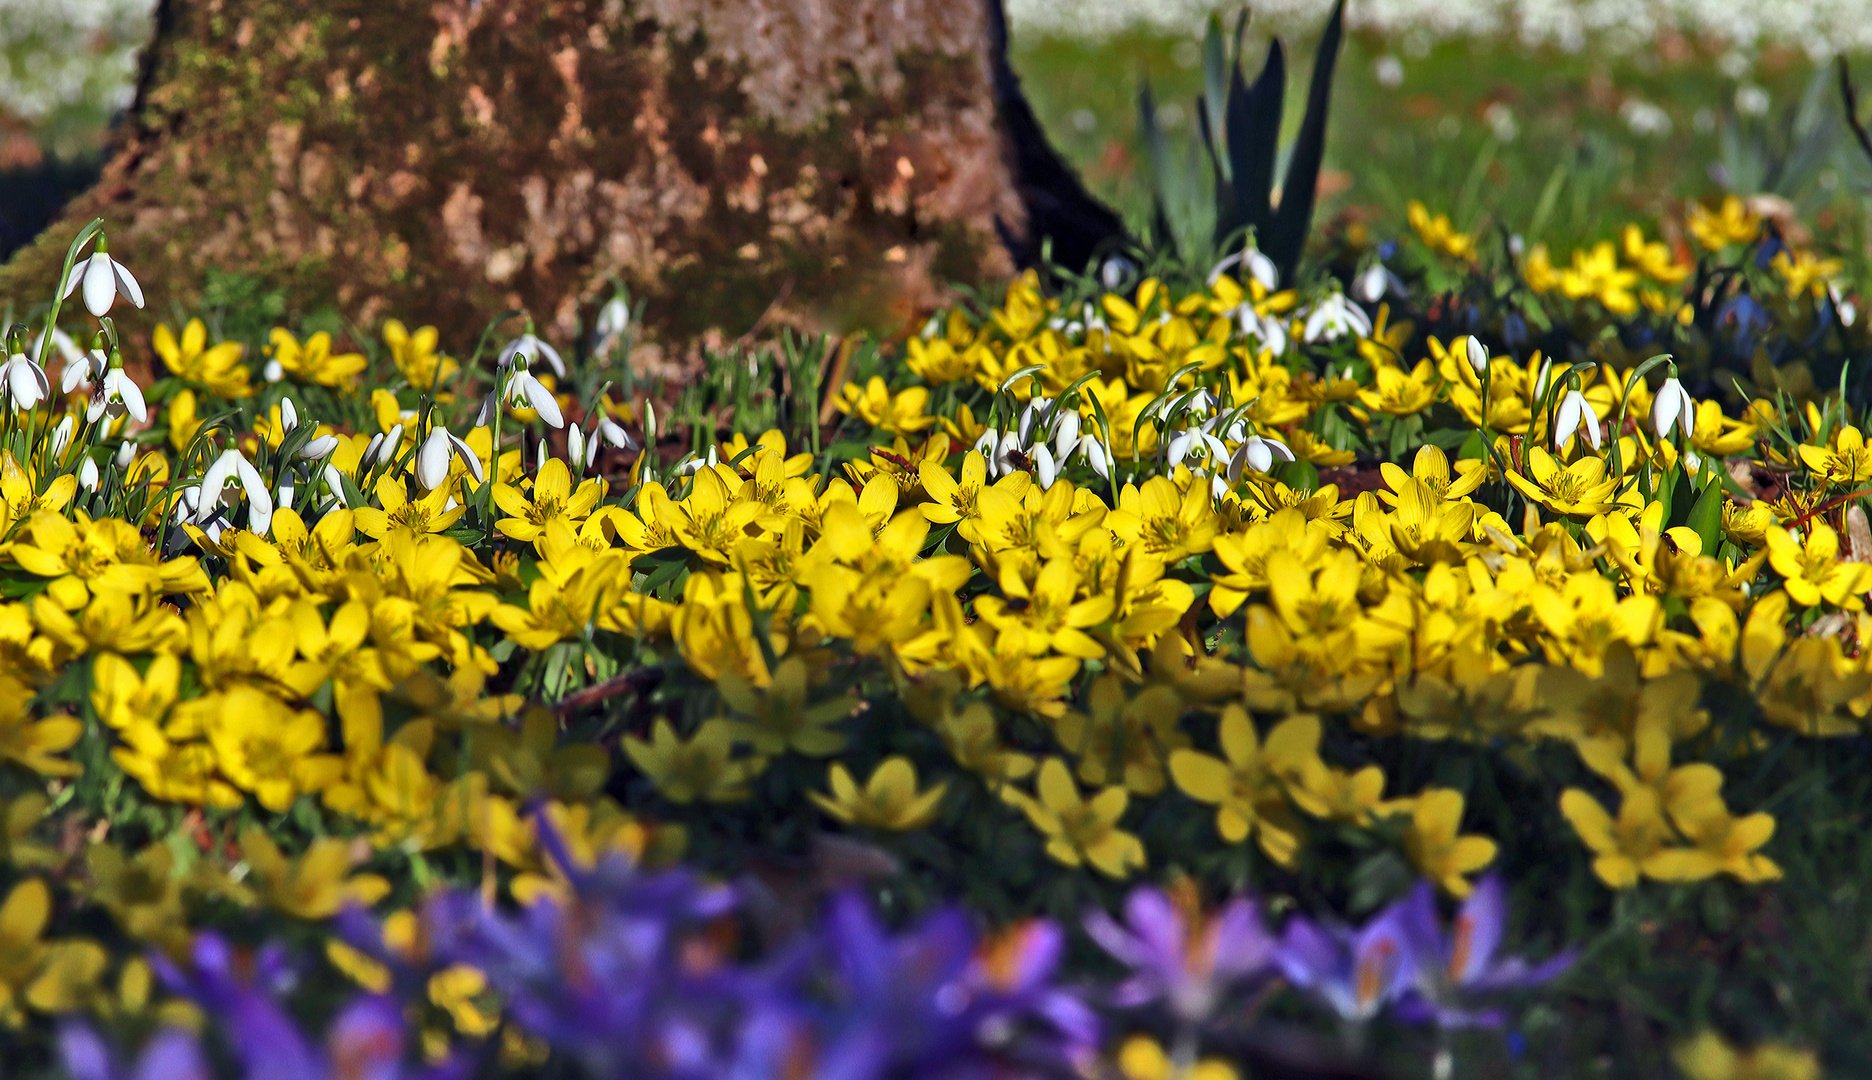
[889, 800]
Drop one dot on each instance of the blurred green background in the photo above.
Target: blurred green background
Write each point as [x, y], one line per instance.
[1557, 145]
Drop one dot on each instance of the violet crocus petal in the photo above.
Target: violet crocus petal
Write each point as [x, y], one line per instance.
[1515, 973]
[171, 1054]
[1240, 944]
[368, 1036]
[84, 1054]
[100, 285]
[1477, 932]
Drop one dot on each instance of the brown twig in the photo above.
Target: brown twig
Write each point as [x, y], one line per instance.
[630, 682]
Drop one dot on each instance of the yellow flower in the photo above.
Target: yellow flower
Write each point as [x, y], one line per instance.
[1581, 489]
[462, 992]
[781, 717]
[30, 741]
[701, 768]
[122, 697]
[1724, 844]
[314, 361]
[1653, 259]
[1622, 849]
[552, 498]
[265, 747]
[1586, 617]
[1247, 788]
[1169, 524]
[1080, 830]
[1806, 272]
[1123, 740]
[46, 976]
[416, 356]
[315, 886]
[183, 421]
[1143, 1058]
[1847, 461]
[429, 513]
[1813, 568]
[890, 799]
[1539, 270]
[1730, 223]
[898, 414]
[1044, 617]
[1439, 235]
[1402, 393]
[218, 369]
[1435, 847]
[1708, 1056]
[1596, 276]
[1718, 436]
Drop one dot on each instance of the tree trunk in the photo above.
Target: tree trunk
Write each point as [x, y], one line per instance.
[441, 160]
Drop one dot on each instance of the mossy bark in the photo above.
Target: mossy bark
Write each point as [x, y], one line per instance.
[440, 160]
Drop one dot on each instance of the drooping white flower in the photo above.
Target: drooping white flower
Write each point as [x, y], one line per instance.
[1576, 416]
[1673, 406]
[989, 445]
[26, 382]
[1065, 433]
[1045, 468]
[1259, 268]
[88, 474]
[227, 479]
[575, 447]
[1333, 317]
[522, 391]
[433, 460]
[529, 348]
[392, 442]
[274, 371]
[613, 319]
[87, 370]
[1257, 452]
[612, 432]
[289, 414]
[318, 449]
[693, 463]
[62, 434]
[1370, 286]
[126, 454]
[104, 280]
[1269, 329]
[1097, 454]
[116, 395]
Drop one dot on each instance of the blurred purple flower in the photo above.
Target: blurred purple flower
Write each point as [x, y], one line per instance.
[1178, 956]
[172, 1054]
[1452, 967]
[1356, 972]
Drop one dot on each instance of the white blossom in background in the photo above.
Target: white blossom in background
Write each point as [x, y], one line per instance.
[230, 477]
[1333, 317]
[26, 382]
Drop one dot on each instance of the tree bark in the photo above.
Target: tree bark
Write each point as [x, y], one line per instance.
[441, 160]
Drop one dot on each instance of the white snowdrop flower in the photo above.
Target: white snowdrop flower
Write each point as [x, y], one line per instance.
[575, 446]
[529, 347]
[62, 434]
[650, 428]
[613, 318]
[1673, 405]
[125, 455]
[318, 449]
[1065, 433]
[26, 383]
[433, 460]
[1332, 318]
[1257, 452]
[1389, 71]
[1097, 454]
[334, 483]
[544, 453]
[612, 432]
[1371, 285]
[1180, 446]
[87, 370]
[88, 474]
[289, 414]
[116, 395]
[1751, 100]
[1477, 354]
[284, 495]
[1218, 488]
[1045, 469]
[104, 280]
[692, 463]
[989, 444]
[1576, 416]
[231, 476]
[387, 450]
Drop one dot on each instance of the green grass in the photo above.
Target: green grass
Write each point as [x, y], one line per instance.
[1572, 170]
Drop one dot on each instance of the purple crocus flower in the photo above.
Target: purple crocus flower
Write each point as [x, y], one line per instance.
[1356, 972]
[1180, 958]
[173, 1054]
[1463, 963]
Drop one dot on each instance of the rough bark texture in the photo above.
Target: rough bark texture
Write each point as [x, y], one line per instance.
[440, 160]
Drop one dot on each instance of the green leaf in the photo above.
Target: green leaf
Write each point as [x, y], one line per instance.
[1706, 516]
